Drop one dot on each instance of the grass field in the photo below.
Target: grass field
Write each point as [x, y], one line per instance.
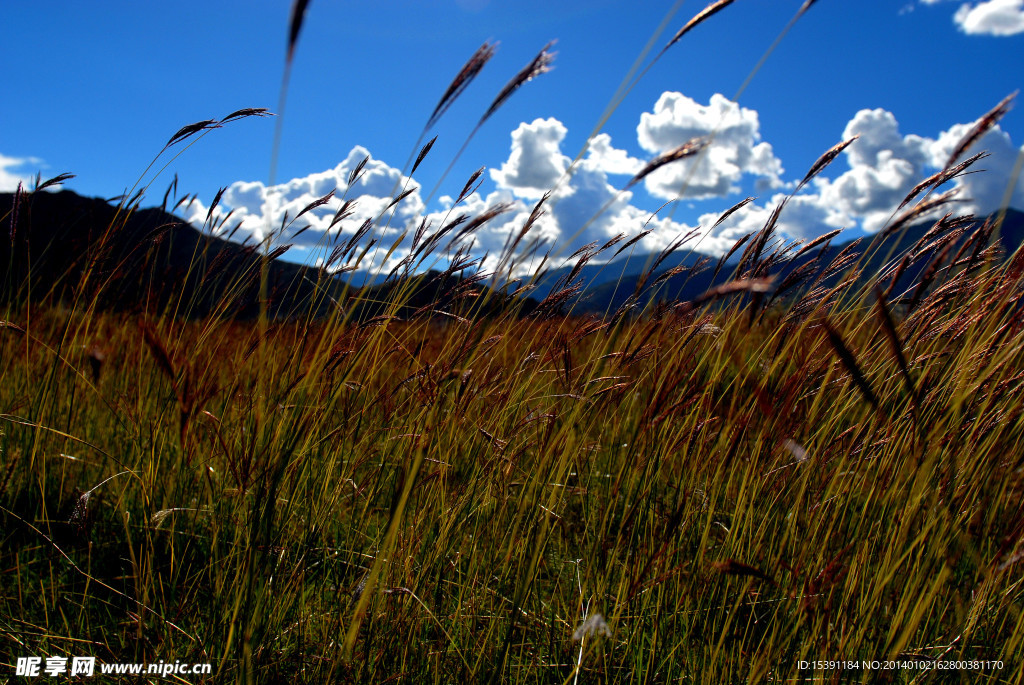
[711, 491]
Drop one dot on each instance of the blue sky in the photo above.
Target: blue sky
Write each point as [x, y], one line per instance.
[96, 90]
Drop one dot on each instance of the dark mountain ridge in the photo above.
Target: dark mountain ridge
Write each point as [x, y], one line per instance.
[65, 247]
[690, 283]
[60, 246]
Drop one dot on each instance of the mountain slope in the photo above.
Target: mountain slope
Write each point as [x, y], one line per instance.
[609, 296]
[64, 247]
[67, 247]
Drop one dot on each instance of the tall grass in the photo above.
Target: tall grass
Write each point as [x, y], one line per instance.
[812, 464]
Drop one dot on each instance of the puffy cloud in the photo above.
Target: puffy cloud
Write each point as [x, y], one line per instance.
[10, 175]
[258, 210]
[884, 165]
[985, 190]
[601, 155]
[804, 217]
[992, 18]
[536, 162]
[880, 138]
[582, 209]
[584, 206]
[989, 17]
[881, 167]
[735, 148]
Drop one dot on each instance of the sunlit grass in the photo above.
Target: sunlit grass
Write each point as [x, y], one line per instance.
[722, 494]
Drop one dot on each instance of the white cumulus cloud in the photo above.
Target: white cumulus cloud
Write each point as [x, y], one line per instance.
[601, 155]
[262, 210]
[584, 208]
[536, 162]
[735, 147]
[989, 17]
[12, 172]
[985, 190]
[805, 217]
[877, 182]
[861, 189]
[993, 17]
[883, 166]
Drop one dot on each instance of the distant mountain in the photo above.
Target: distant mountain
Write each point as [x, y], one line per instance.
[64, 246]
[627, 265]
[608, 295]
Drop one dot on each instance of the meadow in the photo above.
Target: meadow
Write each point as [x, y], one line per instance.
[801, 465]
